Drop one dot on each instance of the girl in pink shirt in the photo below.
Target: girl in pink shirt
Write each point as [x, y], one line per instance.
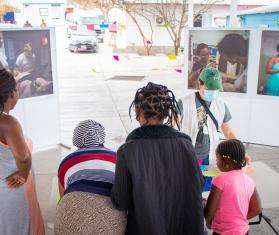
[233, 198]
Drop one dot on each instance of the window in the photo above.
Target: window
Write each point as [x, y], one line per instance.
[55, 11]
[198, 21]
[89, 20]
[206, 20]
[43, 11]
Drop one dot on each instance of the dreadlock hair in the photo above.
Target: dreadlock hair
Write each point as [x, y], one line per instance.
[157, 101]
[7, 86]
[232, 151]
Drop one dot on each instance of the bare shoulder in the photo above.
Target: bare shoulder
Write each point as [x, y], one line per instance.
[8, 123]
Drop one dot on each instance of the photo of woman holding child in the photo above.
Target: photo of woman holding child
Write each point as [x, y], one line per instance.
[26, 54]
[225, 50]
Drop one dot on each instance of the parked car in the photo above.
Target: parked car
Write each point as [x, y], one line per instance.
[85, 22]
[84, 42]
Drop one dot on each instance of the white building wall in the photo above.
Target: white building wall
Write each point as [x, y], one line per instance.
[161, 37]
[52, 14]
[221, 11]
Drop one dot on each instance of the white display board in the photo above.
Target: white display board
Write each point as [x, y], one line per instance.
[254, 117]
[39, 115]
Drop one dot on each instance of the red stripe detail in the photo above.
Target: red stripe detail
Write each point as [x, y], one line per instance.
[90, 26]
[82, 158]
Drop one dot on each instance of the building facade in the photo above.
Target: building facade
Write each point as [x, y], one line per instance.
[34, 11]
[267, 17]
[213, 16]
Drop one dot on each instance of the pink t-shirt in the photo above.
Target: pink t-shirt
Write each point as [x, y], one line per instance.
[231, 215]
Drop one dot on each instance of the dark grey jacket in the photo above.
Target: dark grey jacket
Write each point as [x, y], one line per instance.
[159, 183]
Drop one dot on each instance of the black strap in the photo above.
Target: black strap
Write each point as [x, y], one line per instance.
[270, 225]
[207, 110]
[257, 222]
[267, 220]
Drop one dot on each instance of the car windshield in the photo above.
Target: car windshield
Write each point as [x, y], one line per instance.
[83, 32]
[89, 20]
[84, 35]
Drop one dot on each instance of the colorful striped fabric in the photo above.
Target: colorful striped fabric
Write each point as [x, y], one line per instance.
[88, 170]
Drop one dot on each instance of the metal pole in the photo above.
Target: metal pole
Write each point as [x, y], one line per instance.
[269, 223]
[233, 14]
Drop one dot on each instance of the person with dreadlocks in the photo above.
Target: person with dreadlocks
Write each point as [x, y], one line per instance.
[157, 178]
[233, 198]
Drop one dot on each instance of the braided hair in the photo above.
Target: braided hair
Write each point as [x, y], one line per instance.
[232, 151]
[157, 101]
[7, 86]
